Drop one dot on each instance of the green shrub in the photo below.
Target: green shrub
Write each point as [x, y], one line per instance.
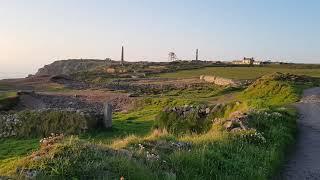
[189, 123]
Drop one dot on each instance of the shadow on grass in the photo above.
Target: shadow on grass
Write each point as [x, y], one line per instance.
[120, 128]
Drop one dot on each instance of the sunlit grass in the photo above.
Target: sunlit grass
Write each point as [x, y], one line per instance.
[241, 72]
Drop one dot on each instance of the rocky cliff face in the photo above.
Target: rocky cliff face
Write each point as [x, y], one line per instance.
[71, 66]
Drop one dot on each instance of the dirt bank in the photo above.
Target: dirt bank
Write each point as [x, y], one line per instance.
[304, 162]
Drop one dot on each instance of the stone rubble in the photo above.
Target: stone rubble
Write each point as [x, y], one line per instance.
[237, 122]
[311, 99]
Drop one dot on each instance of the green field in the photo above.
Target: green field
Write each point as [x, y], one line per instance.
[216, 153]
[244, 72]
[4, 95]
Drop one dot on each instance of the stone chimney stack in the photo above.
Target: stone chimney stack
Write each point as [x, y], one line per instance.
[197, 55]
[122, 56]
[107, 119]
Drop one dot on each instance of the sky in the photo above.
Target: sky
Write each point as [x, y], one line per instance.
[37, 32]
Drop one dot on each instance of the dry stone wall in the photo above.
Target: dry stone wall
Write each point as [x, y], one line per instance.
[219, 80]
[10, 122]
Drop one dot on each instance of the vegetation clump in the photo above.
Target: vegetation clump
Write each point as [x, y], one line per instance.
[186, 119]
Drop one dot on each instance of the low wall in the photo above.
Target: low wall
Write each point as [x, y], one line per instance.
[43, 122]
[219, 80]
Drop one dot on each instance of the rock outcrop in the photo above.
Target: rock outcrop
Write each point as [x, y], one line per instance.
[237, 122]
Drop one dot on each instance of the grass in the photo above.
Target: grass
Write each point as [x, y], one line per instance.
[216, 154]
[6, 95]
[8, 99]
[138, 121]
[12, 150]
[244, 72]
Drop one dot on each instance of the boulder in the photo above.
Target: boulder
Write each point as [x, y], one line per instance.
[107, 120]
[220, 81]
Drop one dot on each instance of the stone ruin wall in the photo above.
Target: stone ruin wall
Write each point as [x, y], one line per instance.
[219, 80]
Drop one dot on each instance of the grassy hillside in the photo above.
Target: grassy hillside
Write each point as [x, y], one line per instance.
[255, 153]
[245, 72]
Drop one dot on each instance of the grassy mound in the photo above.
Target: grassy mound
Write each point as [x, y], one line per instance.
[277, 89]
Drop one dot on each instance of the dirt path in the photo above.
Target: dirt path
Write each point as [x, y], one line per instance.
[304, 162]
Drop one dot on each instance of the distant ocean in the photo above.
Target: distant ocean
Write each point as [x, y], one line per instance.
[12, 75]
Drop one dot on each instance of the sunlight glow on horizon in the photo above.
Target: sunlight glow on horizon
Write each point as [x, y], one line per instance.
[37, 32]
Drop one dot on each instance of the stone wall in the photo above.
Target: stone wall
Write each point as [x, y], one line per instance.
[219, 80]
[12, 122]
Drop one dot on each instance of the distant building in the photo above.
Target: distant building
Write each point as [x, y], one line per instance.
[247, 61]
[257, 63]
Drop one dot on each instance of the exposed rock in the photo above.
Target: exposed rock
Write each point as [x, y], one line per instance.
[27, 173]
[238, 121]
[202, 110]
[311, 99]
[51, 140]
[219, 80]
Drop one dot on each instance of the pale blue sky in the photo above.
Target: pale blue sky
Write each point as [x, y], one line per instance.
[37, 32]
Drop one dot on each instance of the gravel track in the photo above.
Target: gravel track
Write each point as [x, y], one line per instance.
[304, 162]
